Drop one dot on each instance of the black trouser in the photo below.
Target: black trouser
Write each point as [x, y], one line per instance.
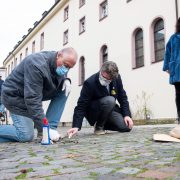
[105, 113]
[177, 89]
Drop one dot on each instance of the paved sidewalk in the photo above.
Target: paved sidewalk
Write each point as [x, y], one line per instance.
[113, 156]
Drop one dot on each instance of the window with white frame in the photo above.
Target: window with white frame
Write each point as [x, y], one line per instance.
[12, 66]
[81, 2]
[15, 62]
[139, 49]
[103, 9]
[20, 57]
[33, 46]
[42, 41]
[159, 42]
[65, 38]
[82, 25]
[81, 71]
[8, 69]
[26, 52]
[66, 13]
[103, 54]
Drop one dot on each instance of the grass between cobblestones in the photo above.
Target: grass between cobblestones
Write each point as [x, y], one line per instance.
[113, 156]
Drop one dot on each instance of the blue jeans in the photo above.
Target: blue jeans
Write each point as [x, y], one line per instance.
[22, 129]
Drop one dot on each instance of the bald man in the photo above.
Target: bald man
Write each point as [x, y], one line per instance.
[39, 77]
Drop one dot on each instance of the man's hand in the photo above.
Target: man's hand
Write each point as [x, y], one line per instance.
[71, 132]
[54, 135]
[67, 87]
[128, 122]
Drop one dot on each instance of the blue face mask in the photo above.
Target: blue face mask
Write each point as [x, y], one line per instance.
[62, 70]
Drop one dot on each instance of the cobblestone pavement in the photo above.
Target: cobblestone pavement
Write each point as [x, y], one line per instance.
[112, 156]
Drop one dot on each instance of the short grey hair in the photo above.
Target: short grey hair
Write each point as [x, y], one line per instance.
[67, 51]
[110, 68]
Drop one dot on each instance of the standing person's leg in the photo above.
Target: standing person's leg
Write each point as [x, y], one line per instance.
[22, 130]
[55, 109]
[177, 89]
[175, 131]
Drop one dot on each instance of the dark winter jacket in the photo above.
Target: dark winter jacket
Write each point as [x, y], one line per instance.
[34, 80]
[93, 90]
[172, 58]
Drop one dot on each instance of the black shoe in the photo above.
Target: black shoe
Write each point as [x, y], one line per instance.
[98, 130]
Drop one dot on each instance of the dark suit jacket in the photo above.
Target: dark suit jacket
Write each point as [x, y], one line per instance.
[93, 90]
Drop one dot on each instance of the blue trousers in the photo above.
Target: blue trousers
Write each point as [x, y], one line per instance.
[22, 129]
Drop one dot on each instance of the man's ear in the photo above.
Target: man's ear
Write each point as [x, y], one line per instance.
[58, 59]
[59, 54]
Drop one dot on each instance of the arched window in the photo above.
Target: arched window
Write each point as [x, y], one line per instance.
[103, 54]
[8, 69]
[81, 70]
[139, 48]
[12, 66]
[15, 62]
[159, 43]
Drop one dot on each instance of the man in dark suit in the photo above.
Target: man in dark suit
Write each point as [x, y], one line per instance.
[97, 102]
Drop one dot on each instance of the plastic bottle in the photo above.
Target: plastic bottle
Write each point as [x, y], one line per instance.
[46, 137]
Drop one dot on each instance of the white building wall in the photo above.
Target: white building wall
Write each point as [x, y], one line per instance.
[149, 78]
[116, 32]
[2, 73]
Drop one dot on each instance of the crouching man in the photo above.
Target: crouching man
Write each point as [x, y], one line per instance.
[39, 77]
[97, 102]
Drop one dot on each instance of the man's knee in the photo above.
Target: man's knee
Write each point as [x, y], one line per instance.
[26, 136]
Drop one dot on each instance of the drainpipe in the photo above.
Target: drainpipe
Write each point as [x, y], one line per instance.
[177, 13]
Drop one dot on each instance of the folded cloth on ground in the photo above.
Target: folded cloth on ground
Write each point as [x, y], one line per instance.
[164, 138]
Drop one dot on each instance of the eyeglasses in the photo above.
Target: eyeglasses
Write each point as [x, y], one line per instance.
[66, 65]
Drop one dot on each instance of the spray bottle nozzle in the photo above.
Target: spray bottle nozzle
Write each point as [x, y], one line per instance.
[45, 121]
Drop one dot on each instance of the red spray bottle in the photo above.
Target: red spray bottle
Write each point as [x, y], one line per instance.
[46, 137]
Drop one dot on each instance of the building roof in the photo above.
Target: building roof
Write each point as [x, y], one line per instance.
[36, 23]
